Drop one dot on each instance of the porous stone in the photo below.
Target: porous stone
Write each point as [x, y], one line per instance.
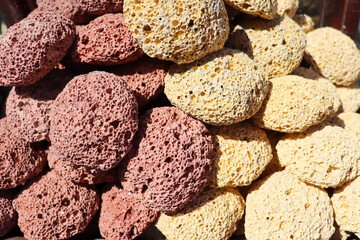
[28, 107]
[145, 77]
[123, 215]
[8, 216]
[293, 105]
[93, 121]
[277, 46]
[334, 55]
[33, 47]
[282, 207]
[81, 11]
[350, 121]
[350, 97]
[105, 41]
[222, 88]
[20, 160]
[242, 153]
[305, 22]
[287, 7]
[212, 215]
[170, 161]
[180, 31]
[263, 8]
[324, 155]
[54, 208]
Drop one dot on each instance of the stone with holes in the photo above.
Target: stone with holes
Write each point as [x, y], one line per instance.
[287, 7]
[180, 31]
[277, 46]
[263, 8]
[33, 47]
[123, 215]
[282, 207]
[222, 88]
[305, 22]
[350, 97]
[51, 207]
[93, 121]
[8, 216]
[348, 120]
[214, 214]
[28, 107]
[170, 161]
[81, 11]
[106, 41]
[20, 160]
[145, 77]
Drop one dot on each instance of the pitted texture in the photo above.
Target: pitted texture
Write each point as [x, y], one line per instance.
[123, 215]
[350, 121]
[28, 107]
[346, 204]
[170, 161]
[180, 31]
[93, 121]
[242, 153]
[287, 7]
[263, 8]
[212, 215]
[8, 216]
[145, 77]
[33, 47]
[106, 41]
[350, 97]
[324, 155]
[222, 88]
[334, 55]
[81, 11]
[293, 105]
[282, 207]
[277, 46]
[19, 160]
[54, 208]
[78, 174]
[305, 22]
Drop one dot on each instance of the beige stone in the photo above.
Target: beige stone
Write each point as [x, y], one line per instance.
[287, 7]
[350, 121]
[350, 97]
[305, 22]
[262, 8]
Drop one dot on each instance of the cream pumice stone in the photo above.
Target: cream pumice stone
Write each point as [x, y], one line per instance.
[263, 8]
[350, 97]
[350, 121]
[282, 207]
[287, 7]
[222, 88]
[305, 22]
[180, 31]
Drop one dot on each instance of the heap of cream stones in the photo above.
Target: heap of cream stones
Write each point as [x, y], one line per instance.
[255, 134]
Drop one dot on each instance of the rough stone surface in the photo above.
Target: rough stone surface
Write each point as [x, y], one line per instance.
[19, 160]
[81, 11]
[350, 97]
[93, 121]
[305, 22]
[263, 8]
[180, 31]
[28, 107]
[220, 89]
[106, 41]
[287, 7]
[346, 204]
[324, 155]
[212, 215]
[334, 55]
[293, 105]
[282, 207]
[170, 161]
[33, 47]
[350, 121]
[8, 216]
[145, 77]
[277, 46]
[242, 153]
[123, 215]
[54, 208]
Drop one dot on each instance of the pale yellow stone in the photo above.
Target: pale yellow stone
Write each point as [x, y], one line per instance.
[350, 121]
[263, 8]
[305, 22]
[350, 97]
[287, 7]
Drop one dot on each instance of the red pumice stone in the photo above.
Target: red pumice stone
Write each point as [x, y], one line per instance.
[31, 48]
[93, 121]
[8, 215]
[170, 161]
[20, 160]
[106, 41]
[51, 207]
[81, 11]
[28, 107]
[123, 216]
[145, 77]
